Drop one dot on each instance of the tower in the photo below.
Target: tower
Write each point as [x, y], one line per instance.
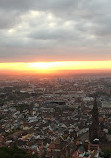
[94, 128]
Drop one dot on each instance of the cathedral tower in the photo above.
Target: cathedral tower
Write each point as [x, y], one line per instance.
[95, 130]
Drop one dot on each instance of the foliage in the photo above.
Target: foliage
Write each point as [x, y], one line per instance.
[14, 152]
[107, 152]
[22, 107]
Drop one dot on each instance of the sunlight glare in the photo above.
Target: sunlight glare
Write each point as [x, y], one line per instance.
[51, 67]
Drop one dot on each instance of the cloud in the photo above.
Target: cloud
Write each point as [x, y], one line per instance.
[54, 30]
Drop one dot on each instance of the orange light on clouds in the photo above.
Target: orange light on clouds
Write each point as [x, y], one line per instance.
[49, 67]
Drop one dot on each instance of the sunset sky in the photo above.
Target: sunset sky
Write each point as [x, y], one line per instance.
[51, 35]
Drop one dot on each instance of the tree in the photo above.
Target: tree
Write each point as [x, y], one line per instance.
[14, 152]
[107, 152]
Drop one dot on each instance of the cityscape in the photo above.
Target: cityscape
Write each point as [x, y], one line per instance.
[64, 117]
[55, 78]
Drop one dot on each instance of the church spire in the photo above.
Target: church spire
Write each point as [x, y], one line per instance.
[95, 113]
[93, 131]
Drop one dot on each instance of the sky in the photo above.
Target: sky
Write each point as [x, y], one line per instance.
[55, 30]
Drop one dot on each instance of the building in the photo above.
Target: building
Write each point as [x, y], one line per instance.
[96, 132]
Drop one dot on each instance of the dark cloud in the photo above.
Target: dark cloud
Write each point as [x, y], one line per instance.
[37, 4]
[8, 20]
[16, 4]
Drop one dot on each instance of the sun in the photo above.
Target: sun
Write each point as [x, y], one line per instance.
[42, 67]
